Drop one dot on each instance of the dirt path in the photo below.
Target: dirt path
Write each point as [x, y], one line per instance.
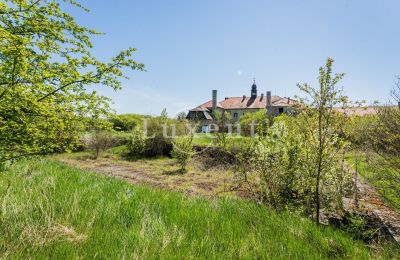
[110, 168]
[370, 202]
[155, 175]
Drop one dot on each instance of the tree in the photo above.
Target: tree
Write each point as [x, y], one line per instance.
[321, 127]
[182, 150]
[46, 66]
[221, 119]
[255, 123]
[164, 114]
[99, 141]
[277, 162]
[181, 116]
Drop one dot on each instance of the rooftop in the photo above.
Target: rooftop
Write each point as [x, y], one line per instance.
[248, 103]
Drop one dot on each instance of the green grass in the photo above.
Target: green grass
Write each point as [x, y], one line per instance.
[384, 178]
[49, 210]
[207, 139]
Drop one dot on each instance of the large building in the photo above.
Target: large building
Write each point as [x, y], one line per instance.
[238, 106]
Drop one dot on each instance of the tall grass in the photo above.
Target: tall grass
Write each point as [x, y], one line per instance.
[49, 210]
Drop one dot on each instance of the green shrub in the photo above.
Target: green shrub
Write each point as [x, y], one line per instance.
[137, 143]
[99, 141]
[126, 122]
[183, 150]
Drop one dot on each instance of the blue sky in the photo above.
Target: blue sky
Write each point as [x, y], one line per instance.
[191, 47]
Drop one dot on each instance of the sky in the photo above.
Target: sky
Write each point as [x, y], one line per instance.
[191, 47]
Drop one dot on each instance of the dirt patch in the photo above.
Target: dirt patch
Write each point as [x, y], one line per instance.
[160, 173]
[213, 158]
[371, 205]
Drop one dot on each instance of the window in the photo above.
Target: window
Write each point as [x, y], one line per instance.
[235, 115]
[280, 110]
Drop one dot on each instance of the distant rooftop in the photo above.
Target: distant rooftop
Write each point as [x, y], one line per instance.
[244, 102]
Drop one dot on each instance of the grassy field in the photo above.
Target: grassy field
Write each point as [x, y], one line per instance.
[50, 210]
[384, 178]
[162, 172]
[209, 139]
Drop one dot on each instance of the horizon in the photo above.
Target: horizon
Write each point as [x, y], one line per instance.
[192, 48]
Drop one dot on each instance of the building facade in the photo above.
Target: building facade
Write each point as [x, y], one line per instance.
[238, 106]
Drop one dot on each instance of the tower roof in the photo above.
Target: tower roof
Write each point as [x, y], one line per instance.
[254, 89]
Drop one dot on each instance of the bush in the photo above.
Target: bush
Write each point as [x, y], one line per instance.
[126, 122]
[259, 120]
[99, 141]
[137, 143]
[183, 151]
[119, 138]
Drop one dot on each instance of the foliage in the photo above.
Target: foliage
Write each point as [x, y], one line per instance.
[382, 175]
[376, 148]
[360, 129]
[322, 127]
[221, 121]
[137, 143]
[182, 150]
[46, 66]
[296, 161]
[254, 123]
[243, 152]
[387, 132]
[278, 163]
[126, 122]
[63, 212]
[181, 116]
[99, 141]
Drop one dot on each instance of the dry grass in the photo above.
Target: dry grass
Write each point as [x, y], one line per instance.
[162, 172]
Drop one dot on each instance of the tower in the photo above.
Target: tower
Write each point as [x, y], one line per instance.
[254, 89]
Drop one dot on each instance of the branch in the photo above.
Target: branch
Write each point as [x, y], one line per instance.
[22, 11]
[12, 78]
[78, 81]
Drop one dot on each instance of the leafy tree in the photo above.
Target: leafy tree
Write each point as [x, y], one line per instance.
[181, 116]
[164, 114]
[257, 122]
[221, 120]
[46, 66]
[182, 150]
[321, 126]
[99, 141]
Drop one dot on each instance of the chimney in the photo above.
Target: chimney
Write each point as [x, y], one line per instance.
[262, 96]
[244, 97]
[288, 100]
[269, 99]
[214, 99]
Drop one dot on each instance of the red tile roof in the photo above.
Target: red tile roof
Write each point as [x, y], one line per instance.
[249, 102]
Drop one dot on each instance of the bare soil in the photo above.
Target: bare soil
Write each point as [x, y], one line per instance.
[160, 173]
[371, 203]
